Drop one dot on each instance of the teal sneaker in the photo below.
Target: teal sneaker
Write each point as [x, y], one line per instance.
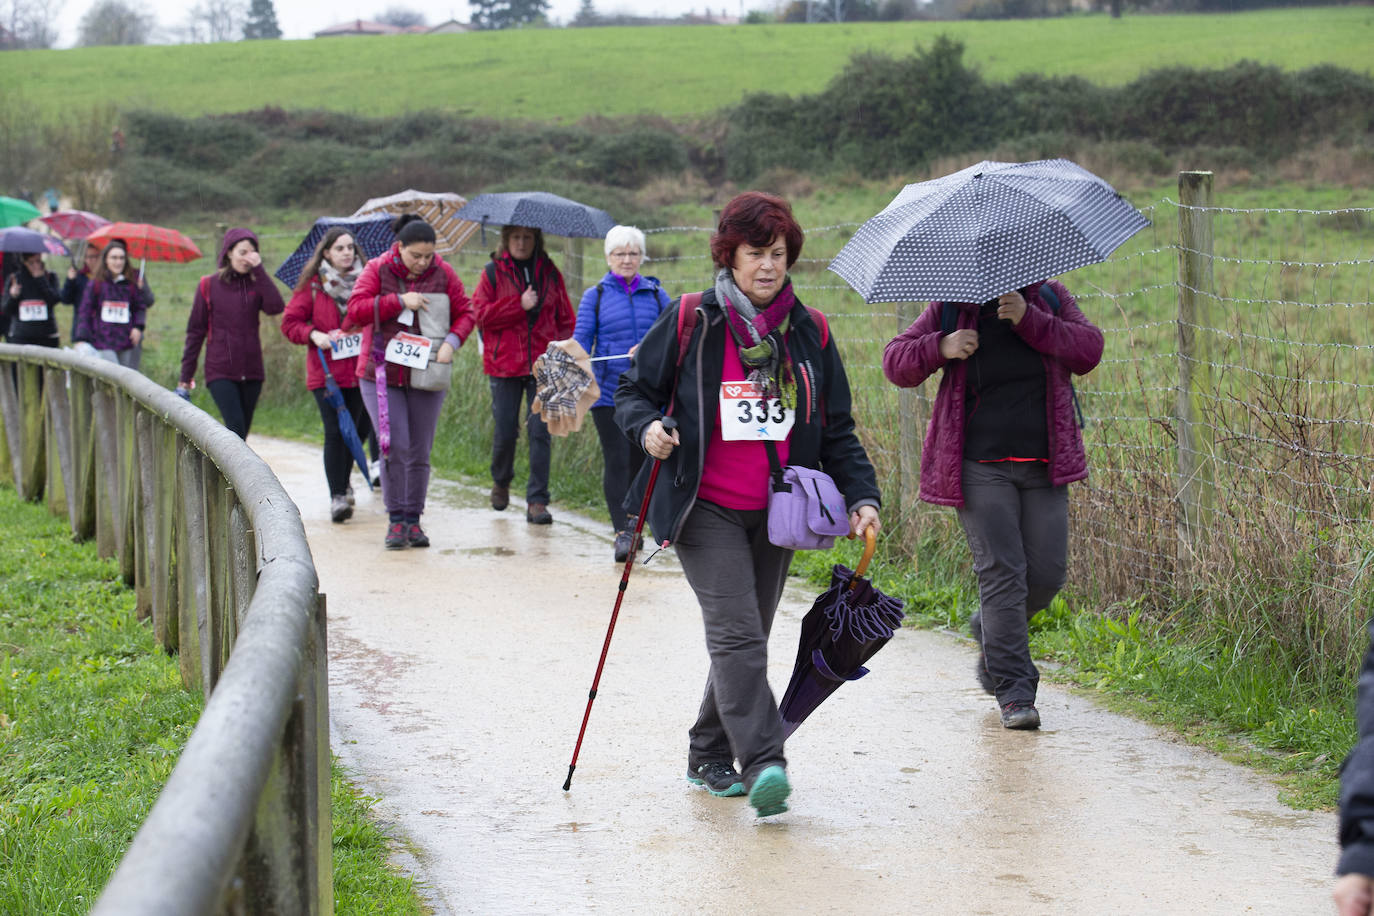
[770, 791]
[720, 779]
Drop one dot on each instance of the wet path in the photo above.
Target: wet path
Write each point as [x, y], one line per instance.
[458, 677]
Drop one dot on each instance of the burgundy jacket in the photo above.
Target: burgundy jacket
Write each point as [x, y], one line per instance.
[226, 320]
[511, 341]
[378, 292]
[1067, 342]
[312, 309]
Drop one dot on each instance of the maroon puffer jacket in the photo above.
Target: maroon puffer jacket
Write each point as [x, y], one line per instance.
[1067, 342]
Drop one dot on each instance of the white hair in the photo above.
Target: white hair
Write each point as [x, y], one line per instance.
[623, 236]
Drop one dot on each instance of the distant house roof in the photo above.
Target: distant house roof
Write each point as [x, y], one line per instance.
[364, 27]
[448, 28]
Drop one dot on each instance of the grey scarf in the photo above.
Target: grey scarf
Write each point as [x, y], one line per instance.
[338, 285]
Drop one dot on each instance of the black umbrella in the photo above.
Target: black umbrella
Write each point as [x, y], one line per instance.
[539, 210]
[846, 626]
[985, 230]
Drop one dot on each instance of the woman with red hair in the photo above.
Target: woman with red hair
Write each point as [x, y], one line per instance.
[750, 332]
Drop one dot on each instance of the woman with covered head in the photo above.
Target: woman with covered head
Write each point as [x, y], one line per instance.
[224, 317]
[112, 312]
[1002, 448]
[29, 294]
[612, 319]
[316, 318]
[405, 300]
[521, 305]
[711, 499]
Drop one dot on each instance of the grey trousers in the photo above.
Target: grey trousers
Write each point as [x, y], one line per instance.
[413, 416]
[738, 578]
[1017, 526]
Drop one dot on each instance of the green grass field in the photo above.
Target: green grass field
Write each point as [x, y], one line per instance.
[672, 71]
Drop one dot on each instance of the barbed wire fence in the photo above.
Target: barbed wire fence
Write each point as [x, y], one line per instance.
[1229, 426]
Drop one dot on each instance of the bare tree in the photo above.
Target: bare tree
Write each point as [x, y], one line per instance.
[28, 23]
[403, 17]
[113, 22]
[215, 20]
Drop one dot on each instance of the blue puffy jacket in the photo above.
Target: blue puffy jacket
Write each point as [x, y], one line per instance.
[610, 321]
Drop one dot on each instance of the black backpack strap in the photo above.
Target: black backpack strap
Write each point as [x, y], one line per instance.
[949, 317]
[490, 271]
[1049, 295]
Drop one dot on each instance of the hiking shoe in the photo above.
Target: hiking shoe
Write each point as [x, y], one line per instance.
[770, 791]
[538, 514]
[339, 509]
[415, 535]
[396, 536]
[623, 542]
[500, 497]
[1022, 716]
[720, 779]
[348, 495]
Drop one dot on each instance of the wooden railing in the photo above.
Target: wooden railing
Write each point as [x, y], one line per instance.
[217, 556]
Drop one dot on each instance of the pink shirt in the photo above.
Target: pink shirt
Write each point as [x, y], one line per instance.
[736, 472]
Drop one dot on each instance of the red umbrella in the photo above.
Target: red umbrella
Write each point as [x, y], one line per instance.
[151, 243]
[74, 224]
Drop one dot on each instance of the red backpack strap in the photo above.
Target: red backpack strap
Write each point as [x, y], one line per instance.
[686, 322]
[819, 317]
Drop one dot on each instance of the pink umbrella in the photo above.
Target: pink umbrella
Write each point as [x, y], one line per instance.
[74, 224]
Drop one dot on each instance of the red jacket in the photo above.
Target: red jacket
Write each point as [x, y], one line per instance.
[1067, 343]
[312, 309]
[378, 292]
[512, 338]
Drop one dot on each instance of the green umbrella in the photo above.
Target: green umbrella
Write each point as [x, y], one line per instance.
[16, 212]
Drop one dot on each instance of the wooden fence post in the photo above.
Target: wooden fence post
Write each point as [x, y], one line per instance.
[62, 483]
[1196, 384]
[193, 602]
[83, 453]
[9, 425]
[572, 268]
[911, 425]
[33, 463]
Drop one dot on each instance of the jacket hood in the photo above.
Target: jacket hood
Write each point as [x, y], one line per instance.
[232, 238]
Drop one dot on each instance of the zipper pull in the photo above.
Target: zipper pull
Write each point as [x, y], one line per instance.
[657, 550]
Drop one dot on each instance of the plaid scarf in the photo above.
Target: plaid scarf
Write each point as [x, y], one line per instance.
[759, 334]
[339, 286]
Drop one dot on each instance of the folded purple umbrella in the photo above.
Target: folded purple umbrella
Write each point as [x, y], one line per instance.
[846, 627]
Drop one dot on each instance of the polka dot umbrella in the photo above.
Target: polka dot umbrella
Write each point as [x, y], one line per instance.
[987, 229]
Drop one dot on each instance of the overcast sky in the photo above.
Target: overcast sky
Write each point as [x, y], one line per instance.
[302, 18]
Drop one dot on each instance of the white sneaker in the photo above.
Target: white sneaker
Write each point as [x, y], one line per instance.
[339, 509]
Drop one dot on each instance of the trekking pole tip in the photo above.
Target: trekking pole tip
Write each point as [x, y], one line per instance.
[567, 783]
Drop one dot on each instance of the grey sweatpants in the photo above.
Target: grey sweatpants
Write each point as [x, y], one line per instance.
[1017, 526]
[738, 578]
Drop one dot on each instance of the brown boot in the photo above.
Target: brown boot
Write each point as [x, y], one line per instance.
[500, 497]
[538, 514]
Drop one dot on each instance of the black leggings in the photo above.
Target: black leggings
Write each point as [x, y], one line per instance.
[236, 401]
[338, 460]
[622, 462]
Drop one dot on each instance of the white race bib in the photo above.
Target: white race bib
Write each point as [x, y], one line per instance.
[408, 350]
[33, 310]
[114, 312]
[348, 346]
[745, 415]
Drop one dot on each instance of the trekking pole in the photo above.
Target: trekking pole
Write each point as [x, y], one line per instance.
[669, 424]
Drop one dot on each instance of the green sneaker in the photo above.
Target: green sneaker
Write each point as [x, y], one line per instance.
[770, 791]
[720, 779]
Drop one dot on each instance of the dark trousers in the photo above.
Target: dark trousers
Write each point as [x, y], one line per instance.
[738, 578]
[338, 460]
[621, 463]
[236, 402]
[1017, 526]
[506, 397]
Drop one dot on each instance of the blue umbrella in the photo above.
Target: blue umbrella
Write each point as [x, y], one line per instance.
[538, 210]
[372, 233]
[26, 241]
[346, 428]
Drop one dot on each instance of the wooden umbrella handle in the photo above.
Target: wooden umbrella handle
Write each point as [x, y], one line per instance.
[870, 545]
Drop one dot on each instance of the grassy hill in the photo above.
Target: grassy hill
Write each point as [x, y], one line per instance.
[672, 71]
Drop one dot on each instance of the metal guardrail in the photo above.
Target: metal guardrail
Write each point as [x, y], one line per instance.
[217, 556]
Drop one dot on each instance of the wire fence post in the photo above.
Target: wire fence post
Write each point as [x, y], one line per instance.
[911, 422]
[1196, 439]
[572, 266]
